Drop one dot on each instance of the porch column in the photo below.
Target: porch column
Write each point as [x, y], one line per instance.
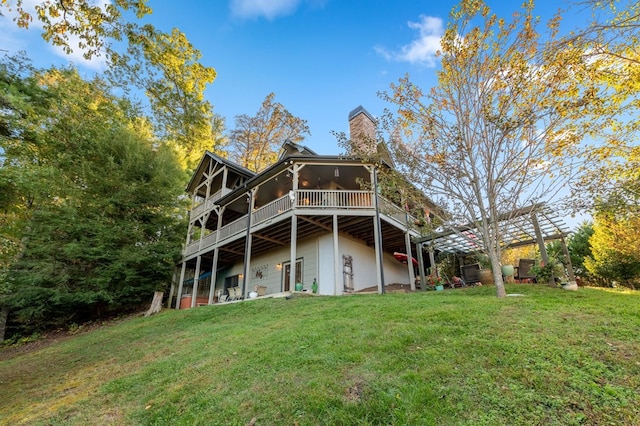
[412, 277]
[420, 265]
[377, 232]
[225, 174]
[182, 271]
[336, 259]
[294, 228]
[214, 275]
[294, 240]
[173, 286]
[216, 251]
[247, 246]
[195, 282]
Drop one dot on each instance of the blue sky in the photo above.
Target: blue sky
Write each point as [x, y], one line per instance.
[322, 58]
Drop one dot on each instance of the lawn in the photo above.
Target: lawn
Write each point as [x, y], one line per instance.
[458, 357]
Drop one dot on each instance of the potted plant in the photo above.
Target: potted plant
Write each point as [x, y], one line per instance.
[435, 282]
[543, 273]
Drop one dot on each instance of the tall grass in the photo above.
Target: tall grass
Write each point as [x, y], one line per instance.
[454, 357]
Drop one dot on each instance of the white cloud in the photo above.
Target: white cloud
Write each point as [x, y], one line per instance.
[423, 49]
[267, 8]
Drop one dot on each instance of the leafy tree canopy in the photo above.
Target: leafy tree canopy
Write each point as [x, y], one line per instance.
[486, 140]
[255, 141]
[90, 23]
[100, 225]
[615, 248]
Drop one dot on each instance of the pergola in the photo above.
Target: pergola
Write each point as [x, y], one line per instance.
[534, 224]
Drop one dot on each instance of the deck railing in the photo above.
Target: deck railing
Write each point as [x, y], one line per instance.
[192, 248]
[198, 210]
[272, 209]
[312, 199]
[391, 210]
[234, 227]
[207, 204]
[337, 199]
[209, 240]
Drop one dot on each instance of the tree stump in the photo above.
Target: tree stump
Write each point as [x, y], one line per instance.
[156, 304]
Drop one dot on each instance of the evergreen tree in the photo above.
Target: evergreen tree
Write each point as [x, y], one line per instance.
[104, 228]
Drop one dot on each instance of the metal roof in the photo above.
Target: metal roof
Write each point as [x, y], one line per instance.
[518, 228]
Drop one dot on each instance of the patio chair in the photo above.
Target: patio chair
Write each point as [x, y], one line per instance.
[454, 282]
[262, 290]
[235, 293]
[523, 272]
[239, 295]
[470, 274]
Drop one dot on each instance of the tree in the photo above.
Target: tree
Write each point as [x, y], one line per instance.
[104, 228]
[615, 247]
[606, 49]
[486, 140]
[88, 22]
[580, 248]
[21, 99]
[255, 140]
[167, 68]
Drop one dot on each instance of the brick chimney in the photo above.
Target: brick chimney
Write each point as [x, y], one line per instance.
[362, 131]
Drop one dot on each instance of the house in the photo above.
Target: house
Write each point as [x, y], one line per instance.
[306, 219]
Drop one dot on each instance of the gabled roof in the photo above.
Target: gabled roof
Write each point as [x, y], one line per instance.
[290, 148]
[230, 164]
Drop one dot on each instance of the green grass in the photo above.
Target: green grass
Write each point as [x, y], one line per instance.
[551, 357]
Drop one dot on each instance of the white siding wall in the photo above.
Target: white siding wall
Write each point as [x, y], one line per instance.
[364, 266]
[318, 262]
[326, 274]
[266, 265]
[394, 271]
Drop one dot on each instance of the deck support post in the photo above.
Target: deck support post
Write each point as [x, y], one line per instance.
[194, 292]
[407, 243]
[214, 276]
[172, 290]
[377, 232]
[247, 246]
[181, 283]
[336, 259]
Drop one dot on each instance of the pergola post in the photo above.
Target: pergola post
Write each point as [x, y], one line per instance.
[573, 284]
[541, 246]
[432, 260]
